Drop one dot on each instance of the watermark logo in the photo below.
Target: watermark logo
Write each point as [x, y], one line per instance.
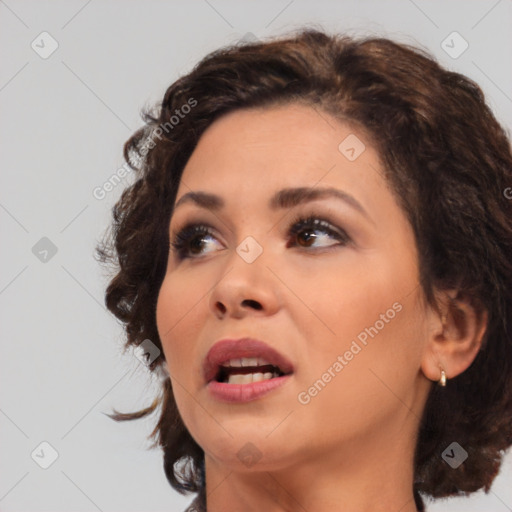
[351, 147]
[454, 455]
[304, 397]
[44, 455]
[249, 249]
[454, 45]
[44, 250]
[167, 127]
[249, 454]
[249, 38]
[44, 45]
[101, 192]
[146, 352]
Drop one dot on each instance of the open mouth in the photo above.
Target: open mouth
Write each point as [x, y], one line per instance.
[246, 363]
[246, 370]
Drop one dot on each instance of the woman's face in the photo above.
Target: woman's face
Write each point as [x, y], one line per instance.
[341, 301]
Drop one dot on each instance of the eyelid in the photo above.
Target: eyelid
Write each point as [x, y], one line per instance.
[300, 222]
[317, 220]
[203, 228]
[299, 218]
[197, 218]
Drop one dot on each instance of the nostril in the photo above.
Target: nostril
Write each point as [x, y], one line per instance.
[252, 303]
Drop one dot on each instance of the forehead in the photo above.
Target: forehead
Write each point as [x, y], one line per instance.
[266, 147]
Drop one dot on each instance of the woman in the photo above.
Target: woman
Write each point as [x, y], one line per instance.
[319, 243]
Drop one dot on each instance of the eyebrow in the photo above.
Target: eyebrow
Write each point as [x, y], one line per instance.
[285, 198]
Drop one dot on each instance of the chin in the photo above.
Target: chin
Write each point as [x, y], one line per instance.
[248, 450]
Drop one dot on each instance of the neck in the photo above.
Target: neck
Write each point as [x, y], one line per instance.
[373, 474]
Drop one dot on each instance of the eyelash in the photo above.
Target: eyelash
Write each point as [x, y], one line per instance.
[298, 225]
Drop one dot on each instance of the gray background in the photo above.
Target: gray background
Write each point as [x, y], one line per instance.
[63, 122]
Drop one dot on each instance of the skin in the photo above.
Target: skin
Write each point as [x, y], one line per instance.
[351, 446]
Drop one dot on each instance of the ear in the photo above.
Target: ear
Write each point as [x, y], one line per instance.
[455, 334]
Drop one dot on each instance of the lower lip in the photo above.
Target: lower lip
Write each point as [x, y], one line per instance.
[239, 393]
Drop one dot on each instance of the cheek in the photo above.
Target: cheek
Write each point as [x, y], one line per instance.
[346, 295]
[373, 382]
[366, 311]
[177, 305]
[175, 321]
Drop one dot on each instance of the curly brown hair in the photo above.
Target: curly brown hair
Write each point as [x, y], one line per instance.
[448, 162]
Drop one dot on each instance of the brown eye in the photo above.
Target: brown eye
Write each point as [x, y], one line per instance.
[305, 229]
[191, 240]
[308, 237]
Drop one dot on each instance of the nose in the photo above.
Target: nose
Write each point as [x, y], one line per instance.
[245, 289]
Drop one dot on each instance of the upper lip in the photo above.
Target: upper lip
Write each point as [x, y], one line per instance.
[226, 349]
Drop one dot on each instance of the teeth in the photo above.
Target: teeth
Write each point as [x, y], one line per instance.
[246, 361]
[250, 377]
